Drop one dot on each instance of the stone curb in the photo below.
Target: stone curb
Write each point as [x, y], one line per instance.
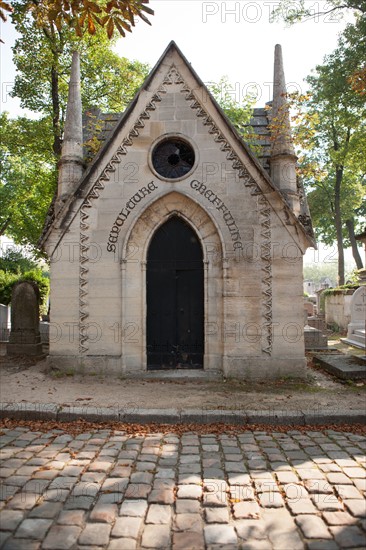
[90, 413]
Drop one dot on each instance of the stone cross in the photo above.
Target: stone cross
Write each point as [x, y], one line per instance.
[25, 338]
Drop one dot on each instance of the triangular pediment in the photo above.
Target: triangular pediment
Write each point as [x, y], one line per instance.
[174, 74]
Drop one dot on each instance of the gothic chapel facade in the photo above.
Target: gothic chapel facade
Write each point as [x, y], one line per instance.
[176, 247]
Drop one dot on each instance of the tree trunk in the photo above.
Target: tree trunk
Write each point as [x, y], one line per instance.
[355, 250]
[338, 223]
[5, 225]
[55, 111]
[56, 47]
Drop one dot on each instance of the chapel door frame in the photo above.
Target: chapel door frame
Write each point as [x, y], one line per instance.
[168, 354]
[133, 261]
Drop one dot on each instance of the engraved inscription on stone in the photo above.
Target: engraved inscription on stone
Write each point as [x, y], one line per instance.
[358, 305]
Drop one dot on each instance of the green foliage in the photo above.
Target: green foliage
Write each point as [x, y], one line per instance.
[8, 280]
[342, 289]
[332, 129]
[16, 267]
[354, 276]
[108, 80]
[43, 282]
[331, 133]
[14, 261]
[29, 149]
[28, 178]
[239, 112]
[322, 206]
[41, 82]
[320, 271]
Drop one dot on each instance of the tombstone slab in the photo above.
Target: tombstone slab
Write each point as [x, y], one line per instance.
[24, 337]
[356, 329]
[347, 367]
[314, 339]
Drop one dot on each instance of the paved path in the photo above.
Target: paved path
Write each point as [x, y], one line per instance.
[255, 490]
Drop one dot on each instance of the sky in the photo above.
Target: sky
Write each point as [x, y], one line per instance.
[232, 38]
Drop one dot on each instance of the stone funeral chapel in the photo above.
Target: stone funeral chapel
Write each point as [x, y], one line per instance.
[175, 246]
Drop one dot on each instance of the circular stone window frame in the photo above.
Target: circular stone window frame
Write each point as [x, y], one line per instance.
[167, 137]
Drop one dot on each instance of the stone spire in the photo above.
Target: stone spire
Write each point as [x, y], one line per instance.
[71, 164]
[283, 158]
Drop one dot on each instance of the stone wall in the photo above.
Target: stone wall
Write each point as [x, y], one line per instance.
[337, 309]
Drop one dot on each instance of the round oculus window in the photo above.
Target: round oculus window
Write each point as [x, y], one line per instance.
[173, 158]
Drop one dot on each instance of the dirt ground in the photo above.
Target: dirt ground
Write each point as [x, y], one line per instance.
[26, 380]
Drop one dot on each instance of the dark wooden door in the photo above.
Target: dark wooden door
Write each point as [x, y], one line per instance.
[175, 304]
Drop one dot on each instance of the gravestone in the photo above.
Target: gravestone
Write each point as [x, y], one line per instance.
[24, 337]
[309, 308]
[313, 336]
[356, 328]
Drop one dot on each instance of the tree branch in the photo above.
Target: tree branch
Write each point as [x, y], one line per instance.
[304, 17]
[5, 226]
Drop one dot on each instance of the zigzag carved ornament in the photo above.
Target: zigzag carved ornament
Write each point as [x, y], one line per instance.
[172, 77]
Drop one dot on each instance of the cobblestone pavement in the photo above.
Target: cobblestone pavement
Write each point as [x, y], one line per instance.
[253, 490]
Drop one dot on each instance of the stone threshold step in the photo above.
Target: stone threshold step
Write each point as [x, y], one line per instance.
[173, 374]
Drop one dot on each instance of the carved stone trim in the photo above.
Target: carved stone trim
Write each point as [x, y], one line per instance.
[93, 194]
[173, 77]
[264, 210]
[266, 259]
[83, 278]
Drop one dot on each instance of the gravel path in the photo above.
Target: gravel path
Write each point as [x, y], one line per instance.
[23, 381]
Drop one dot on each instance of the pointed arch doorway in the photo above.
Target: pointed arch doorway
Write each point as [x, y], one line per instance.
[175, 298]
